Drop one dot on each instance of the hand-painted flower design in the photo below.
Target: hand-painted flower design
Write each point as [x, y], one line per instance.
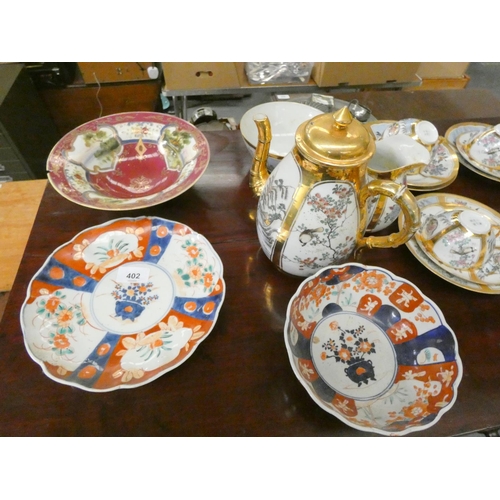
[193, 251]
[437, 166]
[153, 344]
[417, 410]
[49, 304]
[447, 376]
[109, 250]
[373, 281]
[351, 350]
[139, 129]
[197, 270]
[208, 280]
[61, 318]
[62, 315]
[197, 334]
[60, 344]
[332, 210]
[306, 370]
[132, 299]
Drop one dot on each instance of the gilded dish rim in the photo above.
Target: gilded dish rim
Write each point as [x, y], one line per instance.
[474, 165]
[464, 161]
[145, 201]
[433, 265]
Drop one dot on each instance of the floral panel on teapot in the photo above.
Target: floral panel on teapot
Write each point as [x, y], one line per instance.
[321, 222]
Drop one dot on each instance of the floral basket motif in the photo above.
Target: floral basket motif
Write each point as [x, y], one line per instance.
[372, 350]
[122, 303]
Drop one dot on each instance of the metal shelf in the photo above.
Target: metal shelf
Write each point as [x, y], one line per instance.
[180, 97]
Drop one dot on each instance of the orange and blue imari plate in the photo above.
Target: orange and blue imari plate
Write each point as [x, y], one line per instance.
[122, 303]
[370, 348]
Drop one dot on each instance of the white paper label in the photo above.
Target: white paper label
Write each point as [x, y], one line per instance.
[133, 274]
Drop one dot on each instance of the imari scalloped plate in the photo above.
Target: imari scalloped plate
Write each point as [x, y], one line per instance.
[122, 303]
[370, 348]
[128, 161]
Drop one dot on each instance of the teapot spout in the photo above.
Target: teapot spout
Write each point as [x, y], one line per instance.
[258, 172]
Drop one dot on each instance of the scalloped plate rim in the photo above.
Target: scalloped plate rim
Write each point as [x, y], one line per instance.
[41, 363]
[146, 203]
[343, 419]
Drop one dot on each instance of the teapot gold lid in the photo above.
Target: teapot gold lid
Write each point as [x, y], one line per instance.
[335, 139]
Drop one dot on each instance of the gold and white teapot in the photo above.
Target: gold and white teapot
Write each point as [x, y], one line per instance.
[312, 209]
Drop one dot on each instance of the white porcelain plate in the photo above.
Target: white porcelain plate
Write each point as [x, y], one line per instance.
[122, 303]
[461, 142]
[442, 168]
[486, 279]
[372, 350]
[485, 148]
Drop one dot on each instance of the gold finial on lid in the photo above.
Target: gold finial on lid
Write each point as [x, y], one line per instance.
[335, 139]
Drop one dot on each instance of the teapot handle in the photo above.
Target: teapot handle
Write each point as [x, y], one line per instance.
[410, 210]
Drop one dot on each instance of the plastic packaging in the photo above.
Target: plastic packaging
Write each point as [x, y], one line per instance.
[262, 73]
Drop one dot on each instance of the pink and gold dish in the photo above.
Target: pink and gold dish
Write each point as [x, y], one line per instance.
[128, 161]
[122, 303]
[370, 348]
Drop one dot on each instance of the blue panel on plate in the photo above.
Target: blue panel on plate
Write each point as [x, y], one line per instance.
[68, 277]
[95, 360]
[350, 271]
[199, 313]
[325, 392]
[300, 346]
[440, 338]
[161, 241]
[386, 316]
[330, 308]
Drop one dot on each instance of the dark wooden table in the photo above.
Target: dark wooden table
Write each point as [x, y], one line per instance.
[239, 381]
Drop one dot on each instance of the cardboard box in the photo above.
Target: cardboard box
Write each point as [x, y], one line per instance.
[200, 75]
[110, 72]
[333, 74]
[242, 76]
[442, 69]
[441, 83]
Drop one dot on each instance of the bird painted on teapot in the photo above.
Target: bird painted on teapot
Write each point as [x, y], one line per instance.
[313, 207]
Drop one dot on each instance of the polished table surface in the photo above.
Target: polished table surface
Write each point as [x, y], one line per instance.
[239, 381]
